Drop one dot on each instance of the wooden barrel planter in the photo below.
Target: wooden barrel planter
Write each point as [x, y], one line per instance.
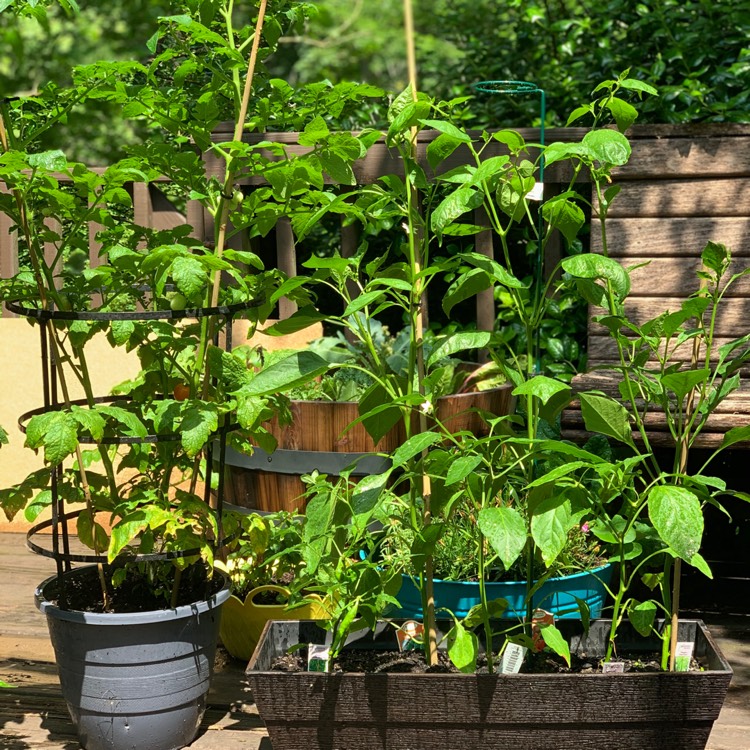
[316, 438]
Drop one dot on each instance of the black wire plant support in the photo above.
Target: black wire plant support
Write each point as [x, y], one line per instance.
[58, 523]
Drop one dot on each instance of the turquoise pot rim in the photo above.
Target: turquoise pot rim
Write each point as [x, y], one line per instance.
[572, 576]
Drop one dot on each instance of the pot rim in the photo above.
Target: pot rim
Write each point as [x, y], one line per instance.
[128, 618]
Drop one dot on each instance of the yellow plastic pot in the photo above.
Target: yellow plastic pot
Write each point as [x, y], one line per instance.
[243, 622]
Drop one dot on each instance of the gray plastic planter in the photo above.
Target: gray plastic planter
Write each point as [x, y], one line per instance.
[136, 680]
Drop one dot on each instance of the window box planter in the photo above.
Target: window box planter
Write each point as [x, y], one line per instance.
[659, 711]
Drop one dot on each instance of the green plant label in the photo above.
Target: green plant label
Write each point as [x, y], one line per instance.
[683, 654]
[318, 658]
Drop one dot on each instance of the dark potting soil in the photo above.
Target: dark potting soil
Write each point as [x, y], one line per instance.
[412, 662]
[82, 591]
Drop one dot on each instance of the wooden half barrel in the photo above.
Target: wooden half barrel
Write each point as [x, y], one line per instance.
[316, 438]
[461, 411]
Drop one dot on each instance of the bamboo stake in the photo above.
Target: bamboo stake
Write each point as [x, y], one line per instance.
[411, 61]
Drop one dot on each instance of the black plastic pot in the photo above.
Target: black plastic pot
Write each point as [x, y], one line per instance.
[631, 711]
[134, 680]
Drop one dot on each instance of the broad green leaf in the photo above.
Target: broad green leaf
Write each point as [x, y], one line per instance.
[541, 387]
[367, 492]
[605, 416]
[565, 215]
[250, 411]
[363, 300]
[51, 161]
[189, 276]
[698, 561]
[124, 532]
[440, 149]
[683, 381]
[56, 431]
[133, 426]
[298, 321]
[716, 257]
[633, 84]
[448, 129]
[625, 114]
[512, 139]
[459, 342]
[287, 373]
[414, 446]
[559, 471]
[550, 524]
[594, 266]
[555, 641]
[463, 648]
[90, 420]
[505, 530]
[379, 414]
[315, 131]
[91, 533]
[475, 615]
[200, 420]
[735, 435]
[607, 147]
[453, 206]
[677, 516]
[467, 285]
[461, 468]
[642, 617]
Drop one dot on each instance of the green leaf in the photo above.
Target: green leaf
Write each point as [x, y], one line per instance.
[315, 131]
[379, 414]
[677, 516]
[414, 446]
[125, 531]
[559, 471]
[625, 114]
[296, 369]
[633, 84]
[190, 277]
[550, 524]
[367, 492]
[448, 129]
[298, 321]
[133, 426]
[642, 617]
[90, 420]
[512, 139]
[606, 416]
[51, 161]
[505, 530]
[461, 468]
[609, 147]
[698, 561]
[467, 285]
[200, 420]
[554, 641]
[541, 387]
[440, 149]
[463, 648]
[459, 342]
[338, 169]
[735, 435]
[683, 381]
[594, 266]
[90, 533]
[56, 431]
[565, 215]
[453, 206]
[716, 257]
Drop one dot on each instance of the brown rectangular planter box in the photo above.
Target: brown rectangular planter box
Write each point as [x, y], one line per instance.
[658, 711]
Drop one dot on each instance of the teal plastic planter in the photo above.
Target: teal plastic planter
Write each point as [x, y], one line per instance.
[557, 595]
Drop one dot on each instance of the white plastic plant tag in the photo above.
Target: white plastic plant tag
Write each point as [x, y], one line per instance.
[512, 658]
[318, 657]
[409, 635]
[536, 193]
[613, 667]
[682, 655]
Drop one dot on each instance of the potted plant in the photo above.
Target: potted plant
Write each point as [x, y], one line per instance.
[133, 465]
[346, 707]
[264, 561]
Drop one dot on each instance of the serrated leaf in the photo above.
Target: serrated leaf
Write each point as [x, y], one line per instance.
[90, 420]
[56, 431]
[51, 161]
[200, 420]
[132, 424]
[189, 276]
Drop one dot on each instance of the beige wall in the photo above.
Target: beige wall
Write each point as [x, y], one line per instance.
[21, 387]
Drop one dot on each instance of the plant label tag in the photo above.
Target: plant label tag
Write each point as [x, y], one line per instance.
[536, 193]
[318, 657]
[409, 635]
[512, 658]
[682, 655]
[613, 667]
[538, 619]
